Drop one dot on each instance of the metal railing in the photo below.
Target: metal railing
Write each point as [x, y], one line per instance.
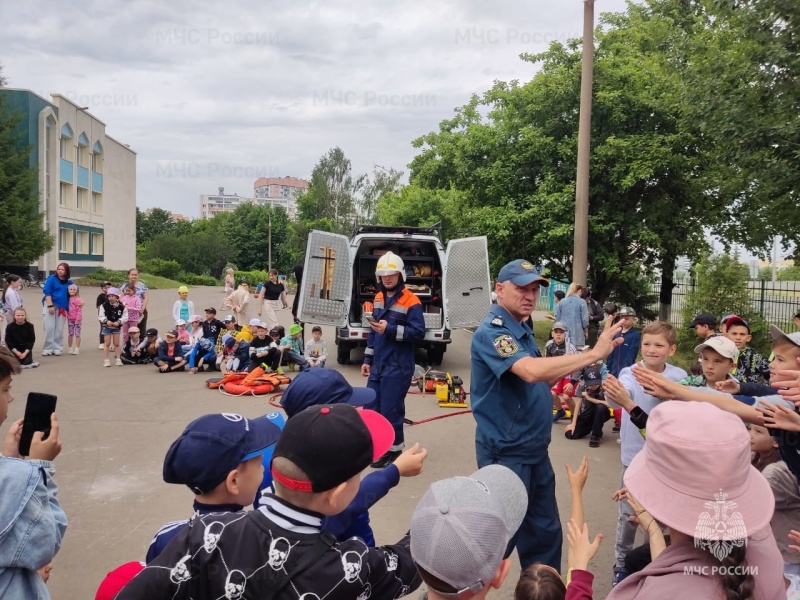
[776, 301]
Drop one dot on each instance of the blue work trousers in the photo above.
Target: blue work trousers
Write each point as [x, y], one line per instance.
[390, 401]
[539, 538]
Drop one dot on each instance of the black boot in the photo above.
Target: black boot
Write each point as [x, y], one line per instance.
[386, 459]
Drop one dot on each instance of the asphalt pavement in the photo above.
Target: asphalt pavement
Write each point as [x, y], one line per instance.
[117, 423]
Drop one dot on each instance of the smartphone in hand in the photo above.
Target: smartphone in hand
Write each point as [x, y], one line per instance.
[370, 318]
[38, 410]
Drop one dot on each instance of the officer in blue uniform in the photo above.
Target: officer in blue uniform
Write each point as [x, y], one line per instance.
[512, 404]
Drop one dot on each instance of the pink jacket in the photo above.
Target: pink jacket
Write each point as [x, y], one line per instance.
[683, 571]
[134, 306]
[75, 309]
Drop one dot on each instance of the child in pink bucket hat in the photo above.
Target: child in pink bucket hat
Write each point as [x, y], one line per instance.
[694, 476]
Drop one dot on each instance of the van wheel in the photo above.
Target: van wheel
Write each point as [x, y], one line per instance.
[343, 354]
[435, 356]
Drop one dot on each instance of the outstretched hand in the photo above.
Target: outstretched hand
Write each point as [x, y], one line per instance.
[655, 384]
[779, 416]
[577, 479]
[581, 549]
[410, 462]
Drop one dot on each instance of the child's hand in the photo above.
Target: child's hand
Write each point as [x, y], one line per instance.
[729, 386]
[617, 392]
[779, 416]
[569, 429]
[577, 479]
[640, 516]
[792, 386]
[581, 549]
[409, 463]
[794, 536]
[11, 443]
[46, 449]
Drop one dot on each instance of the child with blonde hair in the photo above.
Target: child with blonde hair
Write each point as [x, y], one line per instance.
[74, 320]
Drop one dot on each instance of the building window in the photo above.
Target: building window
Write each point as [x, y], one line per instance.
[64, 148]
[65, 240]
[81, 242]
[97, 203]
[80, 157]
[82, 200]
[97, 244]
[65, 195]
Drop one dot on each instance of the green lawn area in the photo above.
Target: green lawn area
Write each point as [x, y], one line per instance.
[117, 277]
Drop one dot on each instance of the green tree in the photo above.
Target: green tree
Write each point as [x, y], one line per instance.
[24, 239]
[383, 182]
[512, 154]
[333, 193]
[721, 288]
[156, 222]
[789, 273]
[416, 206]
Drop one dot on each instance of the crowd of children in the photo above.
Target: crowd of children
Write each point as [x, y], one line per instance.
[687, 462]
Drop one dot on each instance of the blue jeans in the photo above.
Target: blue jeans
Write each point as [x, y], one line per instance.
[206, 356]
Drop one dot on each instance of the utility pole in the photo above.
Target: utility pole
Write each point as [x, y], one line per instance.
[269, 259]
[580, 253]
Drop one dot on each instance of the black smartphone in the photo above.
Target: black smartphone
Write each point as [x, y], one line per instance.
[370, 318]
[37, 418]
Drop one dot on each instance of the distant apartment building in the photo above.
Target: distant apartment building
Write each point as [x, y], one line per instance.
[280, 192]
[211, 205]
[86, 183]
[276, 192]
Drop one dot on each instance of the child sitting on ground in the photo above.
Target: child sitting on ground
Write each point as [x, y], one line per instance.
[316, 349]
[195, 333]
[236, 355]
[183, 334]
[292, 347]
[134, 352]
[20, 338]
[264, 350]
[591, 409]
[751, 366]
[33, 522]
[170, 354]
[316, 468]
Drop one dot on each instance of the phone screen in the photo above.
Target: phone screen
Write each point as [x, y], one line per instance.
[37, 418]
[370, 318]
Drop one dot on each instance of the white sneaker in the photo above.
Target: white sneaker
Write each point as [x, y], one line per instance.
[69, 351]
[118, 363]
[76, 351]
[46, 353]
[101, 346]
[106, 363]
[57, 353]
[33, 365]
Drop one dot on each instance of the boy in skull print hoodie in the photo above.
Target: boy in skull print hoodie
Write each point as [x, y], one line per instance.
[279, 551]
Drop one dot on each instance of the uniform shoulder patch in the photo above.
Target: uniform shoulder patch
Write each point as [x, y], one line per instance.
[497, 321]
[505, 345]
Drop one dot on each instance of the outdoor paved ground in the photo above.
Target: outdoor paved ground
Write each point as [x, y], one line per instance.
[117, 423]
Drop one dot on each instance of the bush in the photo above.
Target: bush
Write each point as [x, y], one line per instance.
[253, 277]
[170, 269]
[192, 279]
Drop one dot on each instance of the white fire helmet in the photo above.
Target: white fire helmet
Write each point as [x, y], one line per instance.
[390, 263]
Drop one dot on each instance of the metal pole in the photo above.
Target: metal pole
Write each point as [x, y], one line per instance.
[270, 241]
[580, 254]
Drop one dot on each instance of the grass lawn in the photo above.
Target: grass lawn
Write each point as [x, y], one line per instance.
[117, 277]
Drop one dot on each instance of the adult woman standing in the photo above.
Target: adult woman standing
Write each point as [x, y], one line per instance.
[229, 285]
[572, 310]
[141, 291]
[55, 306]
[271, 299]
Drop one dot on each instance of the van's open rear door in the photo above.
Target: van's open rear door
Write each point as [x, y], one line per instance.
[467, 289]
[327, 280]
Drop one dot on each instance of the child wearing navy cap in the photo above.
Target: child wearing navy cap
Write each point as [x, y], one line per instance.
[218, 457]
[280, 550]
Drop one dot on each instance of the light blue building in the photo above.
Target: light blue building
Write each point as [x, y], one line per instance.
[86, 183]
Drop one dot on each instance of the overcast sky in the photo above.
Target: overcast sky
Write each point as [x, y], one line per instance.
[213, 94]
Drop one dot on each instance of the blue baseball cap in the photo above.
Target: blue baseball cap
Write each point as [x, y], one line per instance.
[214, 445]
[322, 386]
[521, 272]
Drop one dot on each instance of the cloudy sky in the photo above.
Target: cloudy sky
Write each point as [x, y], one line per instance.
[213, 94]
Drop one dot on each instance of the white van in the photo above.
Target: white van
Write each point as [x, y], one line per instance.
[339, 277]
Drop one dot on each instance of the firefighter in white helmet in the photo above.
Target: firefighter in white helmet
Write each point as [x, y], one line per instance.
[389, 358]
